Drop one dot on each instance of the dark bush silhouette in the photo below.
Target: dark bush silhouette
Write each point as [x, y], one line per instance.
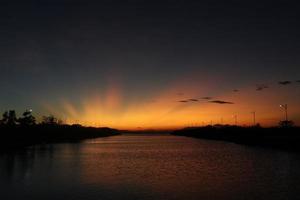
[286, 123]
[27, 119]
[9, 118]
[50, 120]
[257, 125]
[3, 120]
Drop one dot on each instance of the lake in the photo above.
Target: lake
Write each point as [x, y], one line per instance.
[149, 167]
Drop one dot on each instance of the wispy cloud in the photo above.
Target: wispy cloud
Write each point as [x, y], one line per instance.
[284, 82]
[235, 90]
[192, 99]
[298, 81]
[221, 102]
[188, 100]
[261, 87]
[206, 98]
[183, 101]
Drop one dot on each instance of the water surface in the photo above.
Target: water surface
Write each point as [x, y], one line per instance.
[149, 167]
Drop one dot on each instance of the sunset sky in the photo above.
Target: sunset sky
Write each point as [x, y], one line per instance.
[151, 64]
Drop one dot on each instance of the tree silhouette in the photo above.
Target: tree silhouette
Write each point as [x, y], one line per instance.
[12, 118]
[4, 119]
[9, 118]
[27, 119]
[50, 120]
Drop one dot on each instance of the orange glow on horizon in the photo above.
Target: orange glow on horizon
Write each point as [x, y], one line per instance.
[163, 111]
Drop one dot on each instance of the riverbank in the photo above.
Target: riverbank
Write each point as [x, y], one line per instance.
[283, 138]
[18, 136]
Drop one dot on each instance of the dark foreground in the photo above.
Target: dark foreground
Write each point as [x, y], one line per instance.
[283, 138]
[149, 167]
[19, 137]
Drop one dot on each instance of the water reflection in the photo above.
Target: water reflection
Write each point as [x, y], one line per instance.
[149, 167]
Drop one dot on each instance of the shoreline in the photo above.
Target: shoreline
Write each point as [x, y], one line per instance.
[19, 137]
[277, 138]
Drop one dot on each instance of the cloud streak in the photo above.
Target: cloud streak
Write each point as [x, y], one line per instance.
[183, 101]
[284, 82]
[193, 100]
[206, 98]
[188, 100]
[261, 87]
[221, 102]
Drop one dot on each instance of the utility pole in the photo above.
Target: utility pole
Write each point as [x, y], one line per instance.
[254, 117]
[235, 119]
[285, 106]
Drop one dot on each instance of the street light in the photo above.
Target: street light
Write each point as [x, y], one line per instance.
[285, 106]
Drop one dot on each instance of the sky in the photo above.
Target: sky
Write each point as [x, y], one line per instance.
[151, 64]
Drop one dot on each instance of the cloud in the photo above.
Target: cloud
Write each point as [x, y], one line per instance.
[188, 100]
[192, 99]
[261, 87]
[284, 82]
[183, 101]
[206, 98]
[221, 102]
[235, 90]
[180, 94]
[298, 81]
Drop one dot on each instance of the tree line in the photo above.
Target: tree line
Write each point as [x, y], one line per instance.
[9, 118]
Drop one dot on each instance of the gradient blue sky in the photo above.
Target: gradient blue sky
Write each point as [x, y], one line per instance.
[134, 52]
